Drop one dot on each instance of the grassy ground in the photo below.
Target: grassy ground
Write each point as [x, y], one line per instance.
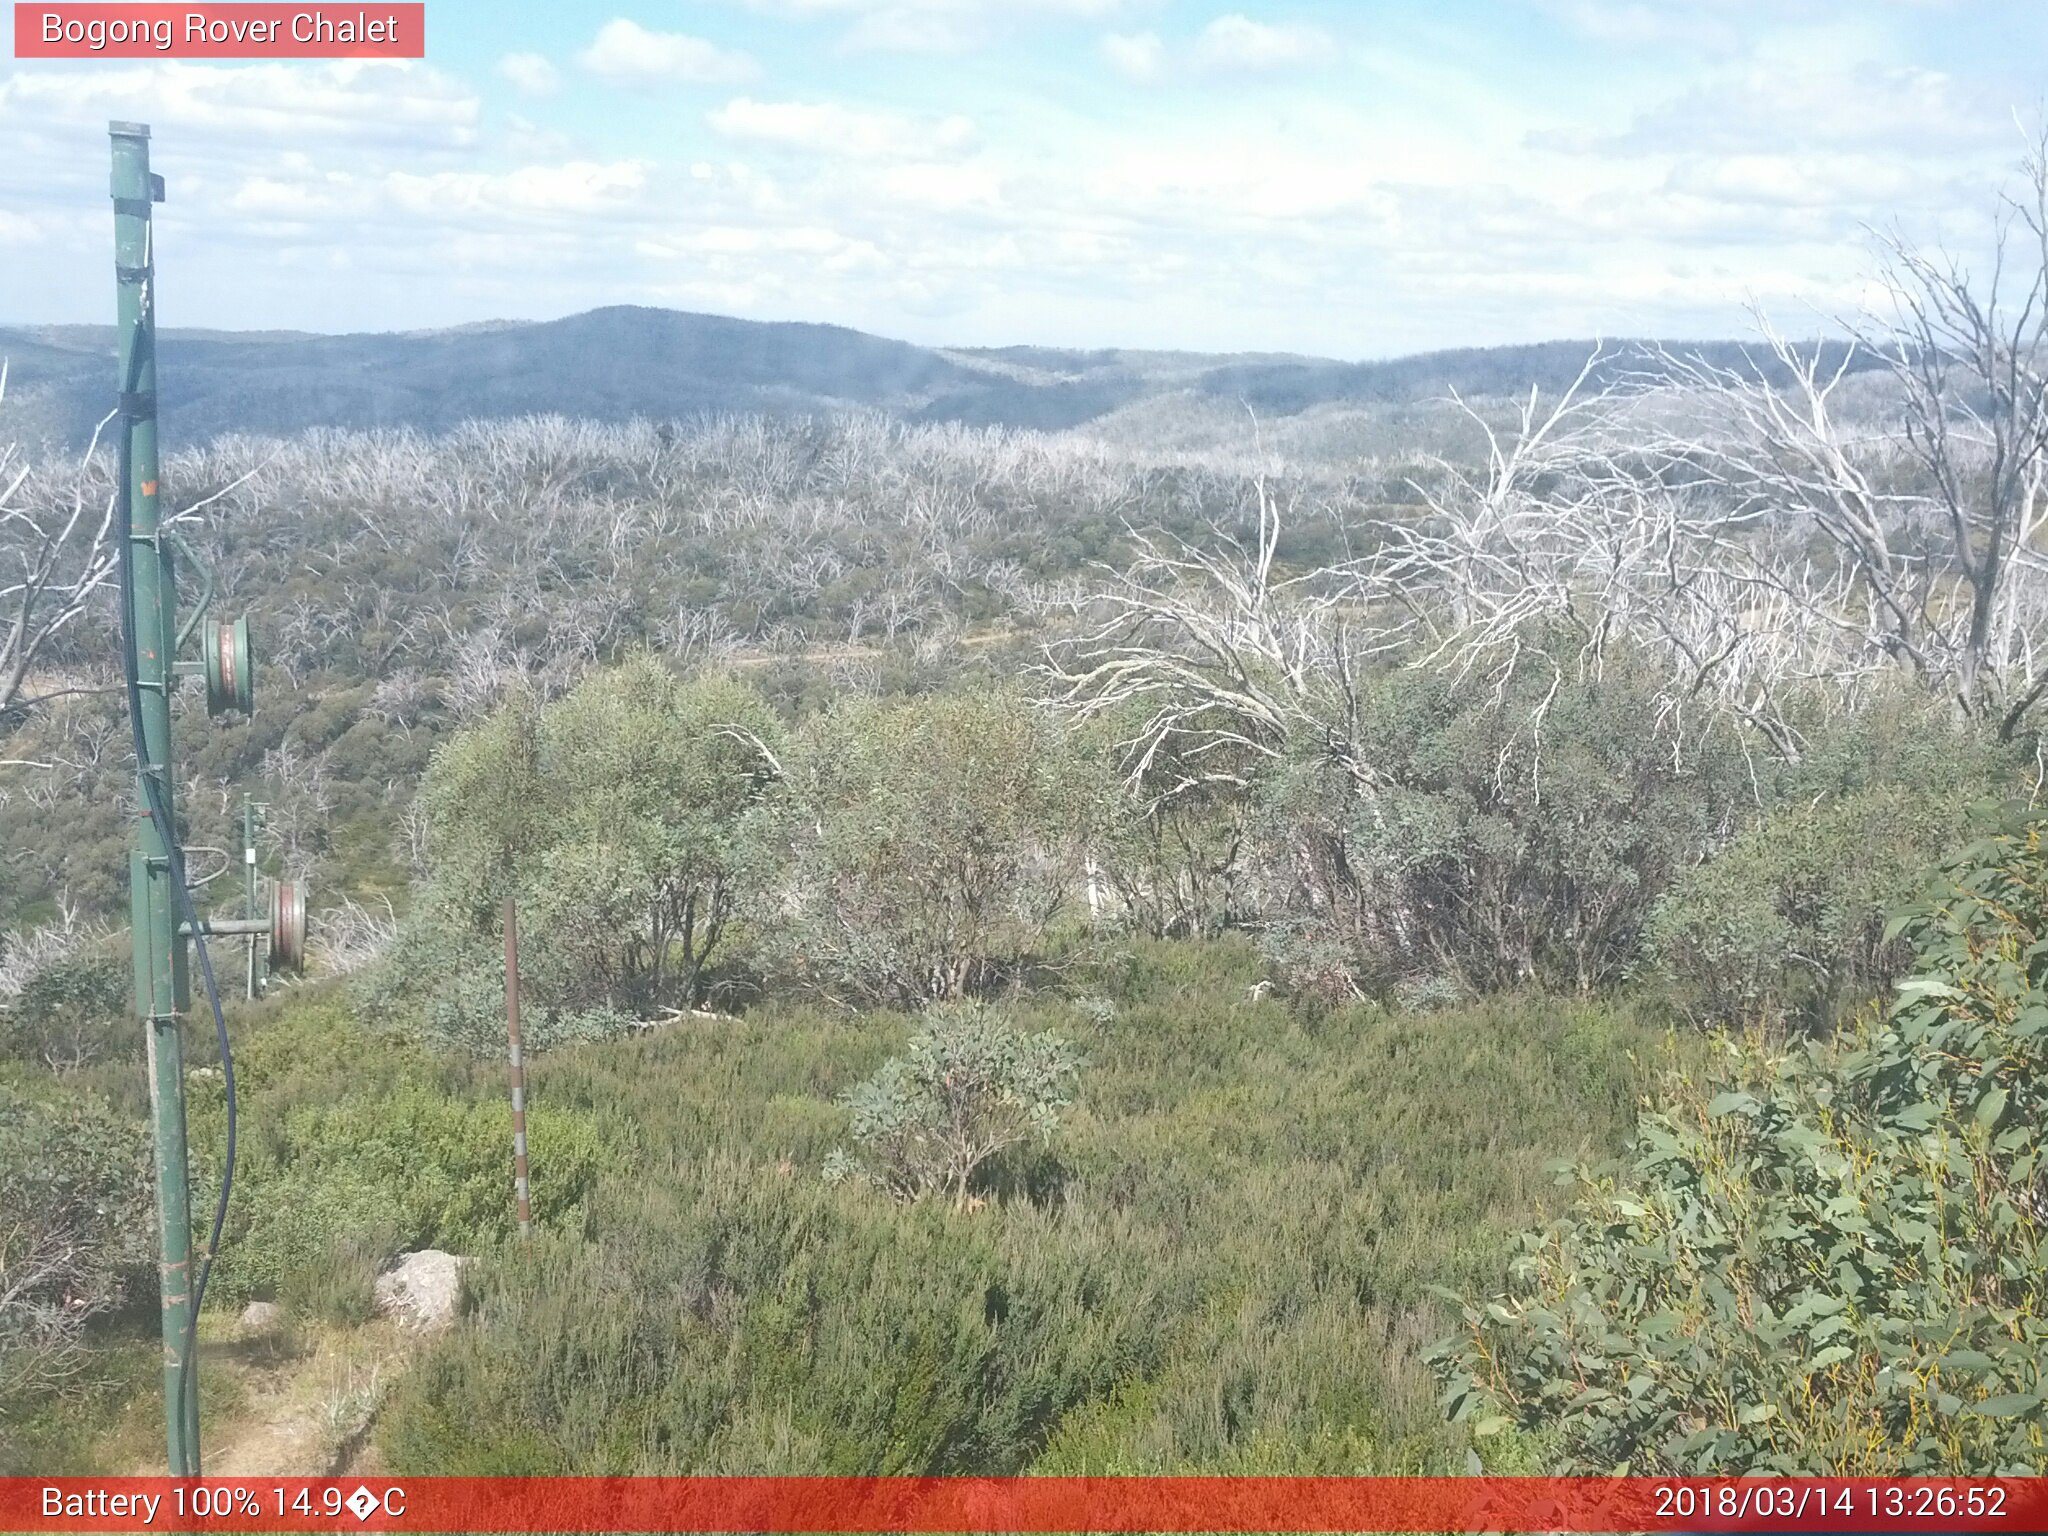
[297, 1399]
[111, 1414]
[1222, 1262]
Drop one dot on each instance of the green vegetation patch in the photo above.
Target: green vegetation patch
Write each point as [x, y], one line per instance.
[1219, 1262]
[1827, 1257]
[356, 1145]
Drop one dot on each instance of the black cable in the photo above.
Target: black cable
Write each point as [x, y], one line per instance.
[154, 791]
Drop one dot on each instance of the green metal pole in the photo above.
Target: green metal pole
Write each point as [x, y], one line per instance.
[160, 989]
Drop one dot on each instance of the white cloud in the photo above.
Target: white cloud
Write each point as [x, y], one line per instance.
[1236, 177]
[935, 26]
[215, 123]
[344, 100]
[530, 74]
[626, 51]
[1770, 107]
[1637, 24]
[861, 9]
[527, 140]
[919, 29]
[470, 203]
[1134, 55]
[1237, 42]
[1847, 182]
[829, 129]
[1233, 43]
[740, 240]
[579, 187]
[942, 187]
[1424, 195]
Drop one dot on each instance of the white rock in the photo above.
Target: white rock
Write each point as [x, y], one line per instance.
[422, 1290]
[260, 1316]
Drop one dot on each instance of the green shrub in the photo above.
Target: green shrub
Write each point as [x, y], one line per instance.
[629, 819]
[418, 1169]
[1504, 836]
[338, 1286]
[1827, 1259]
[933, 844]
[970, 1085]
[443, 978]
[78, 1009]
[75, 1231]
[729, 1319]
[1787, 923]
[352, 1150]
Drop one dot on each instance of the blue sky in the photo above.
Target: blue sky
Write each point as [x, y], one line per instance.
[1354, 179]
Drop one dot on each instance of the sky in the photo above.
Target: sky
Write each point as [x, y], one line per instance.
[1346, 178]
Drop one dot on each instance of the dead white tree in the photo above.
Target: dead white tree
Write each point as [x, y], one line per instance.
[1534, 551]
[45, 1302]
[1577, 536]
[1221, 661]
[353, 936]
[56, 551]
[402, 699]
[1933, 526]
[1733, 522]
[1565, 541]
[1971, 364]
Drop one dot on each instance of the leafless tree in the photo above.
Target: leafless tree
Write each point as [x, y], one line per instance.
[1223, 660]
[402, 698]
[699, 637]
[1732, 521]
[44, 1304]
[300, 800]
[1542, 540]
[1932, 527]
[352, 936]
[25, 954]
[56, 551]
[1971, 365]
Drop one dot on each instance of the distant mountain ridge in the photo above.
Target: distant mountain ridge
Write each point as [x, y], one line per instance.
[626, 361]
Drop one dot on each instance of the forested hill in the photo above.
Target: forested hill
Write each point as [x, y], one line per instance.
[622, 362]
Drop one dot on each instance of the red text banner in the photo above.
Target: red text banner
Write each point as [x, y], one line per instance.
[236, 31]
[829, 1504]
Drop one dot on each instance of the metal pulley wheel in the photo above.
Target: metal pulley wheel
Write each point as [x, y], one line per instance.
[287, 926]
[230, 677]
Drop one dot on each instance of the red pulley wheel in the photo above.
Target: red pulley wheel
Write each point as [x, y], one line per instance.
[287, 926]
[230, 679]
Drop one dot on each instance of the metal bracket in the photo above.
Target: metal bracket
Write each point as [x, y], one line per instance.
[177, 542]
[225, 927]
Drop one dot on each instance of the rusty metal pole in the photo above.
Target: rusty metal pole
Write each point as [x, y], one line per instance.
[249, 884]
[519, 1184]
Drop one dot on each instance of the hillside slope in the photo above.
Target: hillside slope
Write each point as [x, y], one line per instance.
[622, 362]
